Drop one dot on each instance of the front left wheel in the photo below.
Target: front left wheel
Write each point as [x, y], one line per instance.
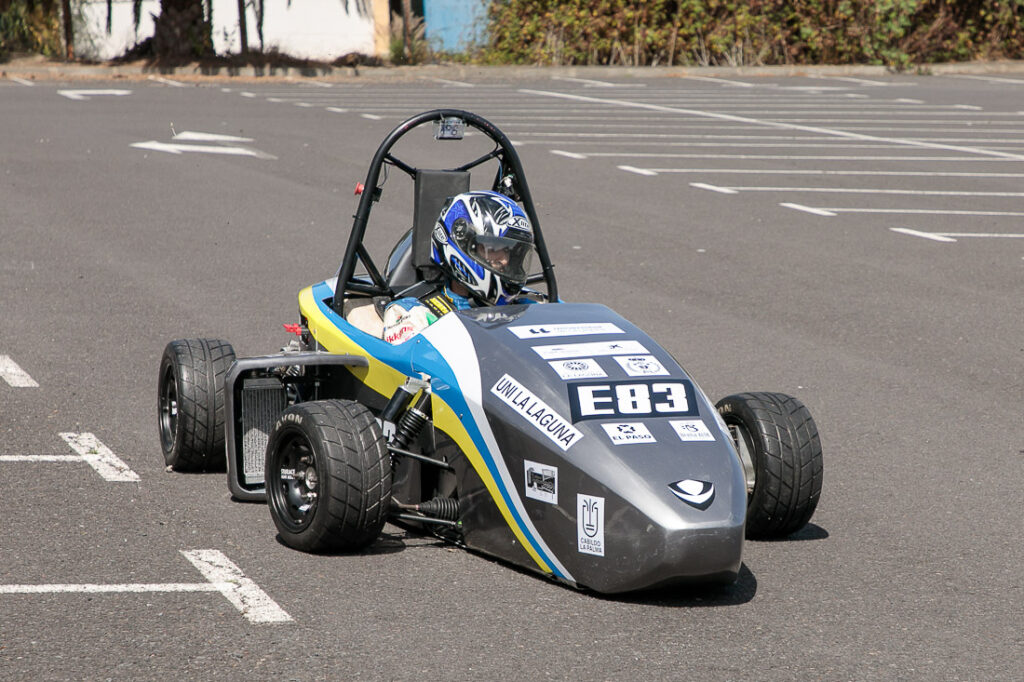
[328, 476]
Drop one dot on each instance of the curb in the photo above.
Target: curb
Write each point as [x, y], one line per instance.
[41, 69]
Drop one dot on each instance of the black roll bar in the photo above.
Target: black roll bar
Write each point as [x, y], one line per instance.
[507, 157]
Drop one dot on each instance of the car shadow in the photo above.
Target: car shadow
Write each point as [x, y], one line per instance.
[809, 532]
[386, 543]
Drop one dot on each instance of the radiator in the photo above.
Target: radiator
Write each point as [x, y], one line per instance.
[262, 402]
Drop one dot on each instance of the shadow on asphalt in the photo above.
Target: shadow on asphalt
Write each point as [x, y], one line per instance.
[808, 532]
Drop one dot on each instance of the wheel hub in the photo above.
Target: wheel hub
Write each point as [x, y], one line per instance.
[295, 482]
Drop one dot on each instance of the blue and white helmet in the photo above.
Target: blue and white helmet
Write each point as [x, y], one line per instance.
[485, 241]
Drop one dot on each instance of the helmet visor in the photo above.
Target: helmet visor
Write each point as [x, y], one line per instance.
[507, 257]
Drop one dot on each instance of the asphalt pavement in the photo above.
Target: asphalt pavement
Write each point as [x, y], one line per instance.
[853, 238]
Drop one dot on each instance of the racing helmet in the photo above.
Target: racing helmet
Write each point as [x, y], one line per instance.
[485, 241]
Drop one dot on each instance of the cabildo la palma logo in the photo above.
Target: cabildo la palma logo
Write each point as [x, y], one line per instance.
[590, 524]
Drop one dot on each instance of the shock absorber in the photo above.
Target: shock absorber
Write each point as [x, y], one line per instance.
[412, 422]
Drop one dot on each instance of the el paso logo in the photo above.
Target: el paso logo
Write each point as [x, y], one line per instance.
[537, 412]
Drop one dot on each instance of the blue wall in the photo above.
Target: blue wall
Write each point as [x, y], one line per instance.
[455, 25]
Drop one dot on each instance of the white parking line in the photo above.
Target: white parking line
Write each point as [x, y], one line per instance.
[809, 209]
[754, 145]
[589, 83]
[21, 81]
[246, 595]
[445, 81]
[832, 132]
[861, 81]
[568, 155]
[168, 81]
[850, 190]
[817, 171]
[195, 136]
[795, 157]
[714, 188]
[95, 588]
[953, 236]
[83, 95]
[99, 457]
[993, 79]
[831, 211]
[723, 81]
[313, 83]
[638, 171]
[14, 375]
[221, 574]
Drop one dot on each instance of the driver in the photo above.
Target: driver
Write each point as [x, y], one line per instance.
[483, 244]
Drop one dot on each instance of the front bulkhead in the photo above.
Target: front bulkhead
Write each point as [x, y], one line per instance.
[592, 455]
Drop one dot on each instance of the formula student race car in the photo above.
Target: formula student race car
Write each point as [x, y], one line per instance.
[555, 436]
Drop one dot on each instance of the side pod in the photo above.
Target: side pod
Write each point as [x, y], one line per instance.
[255, 392]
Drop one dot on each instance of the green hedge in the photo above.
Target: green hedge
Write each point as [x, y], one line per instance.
[897, 33]
[28, 26]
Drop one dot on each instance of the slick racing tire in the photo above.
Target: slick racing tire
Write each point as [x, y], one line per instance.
[328, 476]
[778, 443]
[190, 406]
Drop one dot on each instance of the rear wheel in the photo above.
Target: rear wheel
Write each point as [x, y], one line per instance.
[190, 409]
[777, 441]
[328, 476]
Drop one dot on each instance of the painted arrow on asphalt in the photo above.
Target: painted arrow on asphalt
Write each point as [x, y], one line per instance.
[177, 147]
[81, 95]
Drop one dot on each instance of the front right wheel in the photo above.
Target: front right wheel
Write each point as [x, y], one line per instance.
[328, 476]
[778, 444]
[190, 403]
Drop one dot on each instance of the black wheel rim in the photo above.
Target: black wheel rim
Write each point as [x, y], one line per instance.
[168, 409]
[294, 482]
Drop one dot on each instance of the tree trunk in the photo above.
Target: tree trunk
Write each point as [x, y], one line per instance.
[406, 29]
[182, 31]
[69, 31]
[243, 33]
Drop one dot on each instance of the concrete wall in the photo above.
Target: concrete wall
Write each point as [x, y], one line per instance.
[91, 38]
[306, 29]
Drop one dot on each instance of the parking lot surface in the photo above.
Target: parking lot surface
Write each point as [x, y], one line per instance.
[854, 241]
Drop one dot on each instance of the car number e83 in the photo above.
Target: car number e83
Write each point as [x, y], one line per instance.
[651, 398]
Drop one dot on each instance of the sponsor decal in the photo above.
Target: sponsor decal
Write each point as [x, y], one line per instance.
[439, 234]
[641, 365]
[518, 222]
[461, 270]
[537, 412]
[651, 398]
[578, 368]
[691, 429]
[590, 524]
[579, 350]
[540, 331]
[699, 494]
[541, 481]
[626, 433]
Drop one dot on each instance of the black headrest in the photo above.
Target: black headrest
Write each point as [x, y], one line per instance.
[433, 187]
